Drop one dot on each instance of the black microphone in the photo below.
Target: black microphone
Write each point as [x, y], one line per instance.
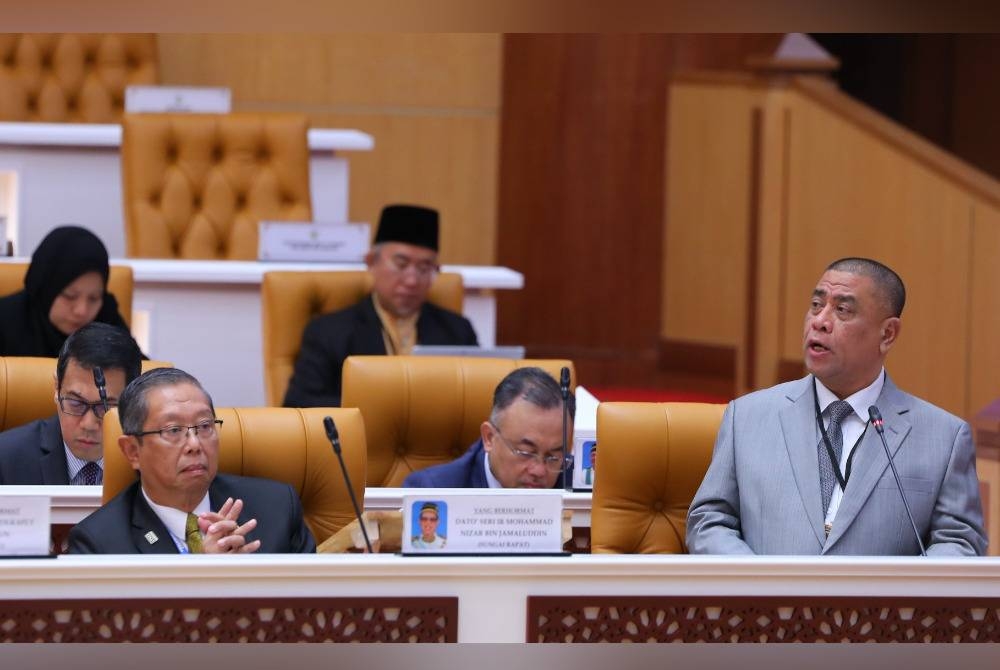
[564, 388]
[334, 436]
[876, 419]
[102, 387]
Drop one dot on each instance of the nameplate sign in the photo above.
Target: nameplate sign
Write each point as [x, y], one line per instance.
[313, 242]
[483, 522]
[24, 525]
[584, 459]
[192, 99]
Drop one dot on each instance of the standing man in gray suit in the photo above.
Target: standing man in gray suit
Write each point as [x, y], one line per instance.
[797, 469]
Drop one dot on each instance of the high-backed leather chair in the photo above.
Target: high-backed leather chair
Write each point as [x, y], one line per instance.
[72, 77]
[27, 388]
[120, 284]
[283, 444]
[290, 299]
[197, 185]
[424, 410]
[651, 460]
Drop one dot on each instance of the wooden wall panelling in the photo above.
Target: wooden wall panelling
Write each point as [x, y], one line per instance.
[983, 364]
[430, 100]
[851, 194]
[581, 205]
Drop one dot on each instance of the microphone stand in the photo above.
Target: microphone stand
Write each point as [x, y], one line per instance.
[334, 437]
[876, 419]
[564, 389]
[102, 387]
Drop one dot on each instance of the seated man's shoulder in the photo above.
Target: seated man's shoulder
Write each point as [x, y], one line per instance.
[337, 317]
[453, 474]
[26, 435]
[768, 397]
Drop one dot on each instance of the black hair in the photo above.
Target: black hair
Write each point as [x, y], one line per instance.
[100, 345]
[132, 406]
[534, 385]
[887, 282]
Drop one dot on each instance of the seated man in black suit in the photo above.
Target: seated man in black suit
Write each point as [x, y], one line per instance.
[179, 503]
[66, 448]
[521, 444]
[394, 318]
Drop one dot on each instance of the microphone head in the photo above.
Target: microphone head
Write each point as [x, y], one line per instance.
[331, 428]
[564, 377]
[876, 417]
[99, 376]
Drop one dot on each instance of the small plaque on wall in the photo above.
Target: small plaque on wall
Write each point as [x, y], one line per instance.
[313, 242]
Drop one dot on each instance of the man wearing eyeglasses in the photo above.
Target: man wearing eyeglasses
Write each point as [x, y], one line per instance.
[396, 316]
[520, 445]
[66, 448]
[180, 503]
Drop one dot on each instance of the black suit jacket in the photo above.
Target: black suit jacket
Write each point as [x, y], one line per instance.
[34, 454]
[356, 331]
[122, 525]
[468, 471]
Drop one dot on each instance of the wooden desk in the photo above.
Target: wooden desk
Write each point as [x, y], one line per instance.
[513, 599]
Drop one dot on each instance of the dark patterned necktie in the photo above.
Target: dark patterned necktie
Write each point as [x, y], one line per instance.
[91, 474]
[839, 411]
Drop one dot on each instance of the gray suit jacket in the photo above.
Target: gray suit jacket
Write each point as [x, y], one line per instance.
[761, 493]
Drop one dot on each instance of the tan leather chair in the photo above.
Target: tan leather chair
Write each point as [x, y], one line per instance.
[651, 460]
[120, 284]
[197, 185]
[72, 77]
[26, 388]
[283, 444]
[290, 299]
[424, 410]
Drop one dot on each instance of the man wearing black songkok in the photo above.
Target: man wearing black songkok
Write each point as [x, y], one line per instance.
[396, 316]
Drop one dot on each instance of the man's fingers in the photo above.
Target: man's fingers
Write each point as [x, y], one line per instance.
[249, 548]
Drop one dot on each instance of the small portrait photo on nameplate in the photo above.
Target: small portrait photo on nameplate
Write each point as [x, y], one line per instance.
[584, 462]
[483, 522]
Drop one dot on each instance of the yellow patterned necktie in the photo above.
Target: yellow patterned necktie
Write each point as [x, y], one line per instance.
[193, 536]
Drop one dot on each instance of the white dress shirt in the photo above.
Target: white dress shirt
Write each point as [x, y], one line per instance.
[852, 427]
[176, 520]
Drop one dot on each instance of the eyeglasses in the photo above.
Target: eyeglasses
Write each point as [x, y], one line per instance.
[77, 407]
[177, 435]
[552, 462]
[400, 265]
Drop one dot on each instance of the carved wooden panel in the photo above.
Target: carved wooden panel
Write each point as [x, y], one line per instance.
[231, 620]
[762, 619]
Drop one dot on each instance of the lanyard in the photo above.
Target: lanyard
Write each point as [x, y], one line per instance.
[841, 478]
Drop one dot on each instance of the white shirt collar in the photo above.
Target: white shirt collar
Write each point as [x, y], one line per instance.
[174, 519]
[859, 401]
[493, 482]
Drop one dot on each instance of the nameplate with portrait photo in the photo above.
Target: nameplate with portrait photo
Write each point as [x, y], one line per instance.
[483, 522]
[584, 460]
[24, 525]
[313, 242]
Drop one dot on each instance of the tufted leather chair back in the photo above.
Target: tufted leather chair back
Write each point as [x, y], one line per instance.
[72, 77]
[290, 299]
[425, 410]
[283, 444]
[27, 388]
[651, 460]
[119, 284]
[197, 185]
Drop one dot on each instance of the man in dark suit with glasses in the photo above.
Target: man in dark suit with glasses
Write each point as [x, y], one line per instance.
[66, 448]
[520, 445]
[180, 503]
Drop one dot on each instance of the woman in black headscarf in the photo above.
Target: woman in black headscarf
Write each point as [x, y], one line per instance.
[65, 288]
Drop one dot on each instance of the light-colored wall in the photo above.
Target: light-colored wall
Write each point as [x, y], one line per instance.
[431, 101]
